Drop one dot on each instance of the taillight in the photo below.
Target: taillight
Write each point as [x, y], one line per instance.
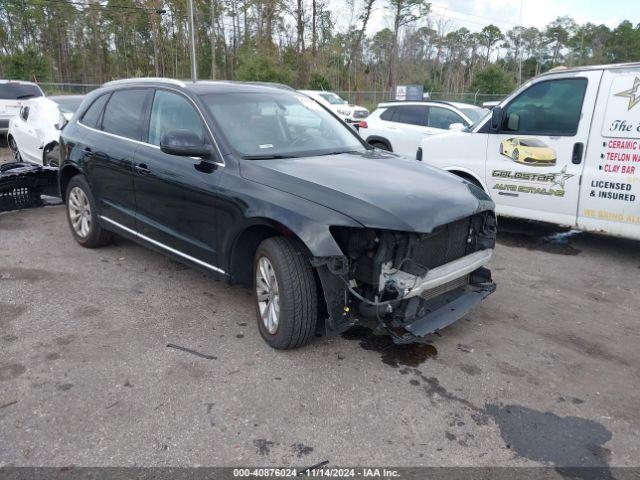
[363, 124]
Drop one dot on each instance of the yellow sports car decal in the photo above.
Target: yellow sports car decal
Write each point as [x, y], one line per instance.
[528, 151]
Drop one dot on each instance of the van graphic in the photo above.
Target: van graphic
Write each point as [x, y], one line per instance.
[528, 151]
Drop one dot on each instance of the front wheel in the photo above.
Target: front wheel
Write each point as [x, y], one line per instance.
[516, 155]
[82, 215]
[285, 294]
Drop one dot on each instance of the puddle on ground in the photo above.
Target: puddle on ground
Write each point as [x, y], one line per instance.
[411, 355]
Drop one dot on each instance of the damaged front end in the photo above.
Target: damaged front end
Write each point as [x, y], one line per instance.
[410, 284]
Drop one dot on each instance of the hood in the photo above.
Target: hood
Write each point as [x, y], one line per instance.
[376, 189]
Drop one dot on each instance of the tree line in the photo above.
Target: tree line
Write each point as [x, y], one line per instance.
[300, 43]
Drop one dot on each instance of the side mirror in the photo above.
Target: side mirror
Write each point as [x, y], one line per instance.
[457, 126]
[513, 122]
[184, 143]
[496, 118]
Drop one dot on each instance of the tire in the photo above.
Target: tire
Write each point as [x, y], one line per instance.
[516, 155]
[51, 155]
[14, 150]
[381, 146]
[79, 200]
[295, 295]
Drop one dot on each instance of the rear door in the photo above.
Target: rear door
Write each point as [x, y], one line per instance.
[610, 194]
[109, 152]
[441, 118]
[535, 159]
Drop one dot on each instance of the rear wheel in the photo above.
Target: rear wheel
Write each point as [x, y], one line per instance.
[14, 150]
[285, 293]
[82, 215]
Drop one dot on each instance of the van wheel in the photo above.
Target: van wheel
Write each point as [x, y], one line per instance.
[516, 155]
[381, 146]
[82, 215]
[286, 296]
[14, 150]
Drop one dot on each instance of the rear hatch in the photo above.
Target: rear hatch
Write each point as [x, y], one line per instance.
[13, 95]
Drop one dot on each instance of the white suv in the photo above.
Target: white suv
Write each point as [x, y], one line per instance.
[13, 93]
[342, 108]
[401, 126]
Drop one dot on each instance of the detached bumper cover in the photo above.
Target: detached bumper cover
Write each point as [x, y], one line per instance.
[451, 311]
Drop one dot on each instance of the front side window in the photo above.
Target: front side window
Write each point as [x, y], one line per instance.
[124, 113]
[411, 114]
[275, 125]
[172, 112]
[443, 118]
[547, 108]
[92, 115]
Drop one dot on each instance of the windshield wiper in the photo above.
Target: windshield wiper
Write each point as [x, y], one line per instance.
[24, 97]
[267, 157]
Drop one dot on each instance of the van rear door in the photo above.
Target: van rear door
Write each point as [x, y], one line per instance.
[535, 159]
[610, 193]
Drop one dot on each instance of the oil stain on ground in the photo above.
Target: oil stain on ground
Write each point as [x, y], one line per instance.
[411, 355]
[573, 445]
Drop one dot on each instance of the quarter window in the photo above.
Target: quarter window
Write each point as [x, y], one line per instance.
[388, 114]
[443, 118]
[172, 112]
[24, 114]
[124, 113]
[92, 115]
[547, 108]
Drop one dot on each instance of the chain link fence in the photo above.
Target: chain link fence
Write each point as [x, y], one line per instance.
[371, 99]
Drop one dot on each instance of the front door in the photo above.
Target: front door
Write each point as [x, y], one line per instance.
[176, 196]
[535, 159]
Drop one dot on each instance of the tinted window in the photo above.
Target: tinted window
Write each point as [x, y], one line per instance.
[547, 108]
[24, 113]
[411, 114]
[17, 91]
[443, 117]
[171, 112]
[92, 115]
[124, 113]
[388, 114]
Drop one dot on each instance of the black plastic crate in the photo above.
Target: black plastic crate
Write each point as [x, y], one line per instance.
[22, 184]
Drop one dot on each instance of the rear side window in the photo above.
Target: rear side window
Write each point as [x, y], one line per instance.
[388, 114]
[551, 107]
[124, 113]
[18, 91]
[92, 115]
[411, 114]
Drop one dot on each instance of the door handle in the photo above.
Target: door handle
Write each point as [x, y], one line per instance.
[142, 169]
[576, 156]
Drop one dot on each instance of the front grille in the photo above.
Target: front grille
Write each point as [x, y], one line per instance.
[360, 114]
[445, 287]
[446, 244]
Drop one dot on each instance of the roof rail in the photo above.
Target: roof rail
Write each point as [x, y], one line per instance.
[123, 81]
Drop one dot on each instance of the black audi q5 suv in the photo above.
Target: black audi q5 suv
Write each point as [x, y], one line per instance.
[260, 185]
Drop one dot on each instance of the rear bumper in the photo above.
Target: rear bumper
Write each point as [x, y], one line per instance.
[4, 125]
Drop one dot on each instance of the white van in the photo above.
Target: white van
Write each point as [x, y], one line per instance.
[564, 148]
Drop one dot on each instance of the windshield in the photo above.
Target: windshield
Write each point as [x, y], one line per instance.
[531, 142]
[18, 91]
[68, 104]
[475, 113]
[279, 125]
[332, 98]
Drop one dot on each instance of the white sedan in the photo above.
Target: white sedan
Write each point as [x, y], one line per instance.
[35, 132]
[349, 113]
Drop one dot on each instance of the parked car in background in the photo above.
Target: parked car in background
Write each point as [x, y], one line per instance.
[34, 134]
[13, 93]
[564, 148]
[400, 126]
[348, 112]
[265, 187]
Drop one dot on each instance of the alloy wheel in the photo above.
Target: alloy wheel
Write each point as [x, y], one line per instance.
[79, 212]
[267, 295]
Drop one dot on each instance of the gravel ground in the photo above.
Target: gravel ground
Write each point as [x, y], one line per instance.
[545, 371]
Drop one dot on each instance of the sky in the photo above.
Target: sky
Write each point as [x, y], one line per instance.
[475, 14]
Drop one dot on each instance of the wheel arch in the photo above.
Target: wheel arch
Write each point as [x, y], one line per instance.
[378, 139]
[64, 177]
[468, 175]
